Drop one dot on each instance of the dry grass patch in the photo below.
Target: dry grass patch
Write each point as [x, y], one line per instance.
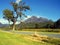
[36, 37]
[43, 39]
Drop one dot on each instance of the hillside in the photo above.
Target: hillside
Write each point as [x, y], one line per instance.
[35, 22]
[3, 25]
[36, 19]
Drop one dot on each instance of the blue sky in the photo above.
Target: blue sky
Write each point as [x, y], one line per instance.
[44, 8]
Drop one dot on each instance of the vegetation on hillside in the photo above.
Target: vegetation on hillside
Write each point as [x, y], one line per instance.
[40, 25]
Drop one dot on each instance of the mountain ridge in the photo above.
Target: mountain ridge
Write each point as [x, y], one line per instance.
[36, 19]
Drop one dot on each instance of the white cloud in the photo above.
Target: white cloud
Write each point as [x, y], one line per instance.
[38, 16]
[28, 17]
[17, 22]
[31, 16]
[17, 1]
[3, 21]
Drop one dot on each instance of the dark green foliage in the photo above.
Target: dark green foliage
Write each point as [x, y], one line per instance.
[49, 24]
[57, 24]
[34, 25]
[8, 14]
[15, 6]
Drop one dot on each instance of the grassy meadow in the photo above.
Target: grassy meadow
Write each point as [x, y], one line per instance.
[37, 30]
[41, 30]
[16, 39]
[11, 38]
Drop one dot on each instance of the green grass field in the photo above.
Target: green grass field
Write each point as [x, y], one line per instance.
[42, 30]
[10, 38]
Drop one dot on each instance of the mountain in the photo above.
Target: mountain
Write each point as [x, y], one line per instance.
[3, 25]
[36, 19]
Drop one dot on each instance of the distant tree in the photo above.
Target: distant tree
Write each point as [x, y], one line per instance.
[36, 25]
[57, 24]
[50, 24]
[18, 12]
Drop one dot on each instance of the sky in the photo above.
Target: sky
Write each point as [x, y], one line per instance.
[49, 9]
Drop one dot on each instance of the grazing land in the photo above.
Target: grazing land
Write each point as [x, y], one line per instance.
[11, 38]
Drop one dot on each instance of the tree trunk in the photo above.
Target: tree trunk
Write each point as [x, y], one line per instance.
[9, 24]
[13, 26]
[20, 23]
